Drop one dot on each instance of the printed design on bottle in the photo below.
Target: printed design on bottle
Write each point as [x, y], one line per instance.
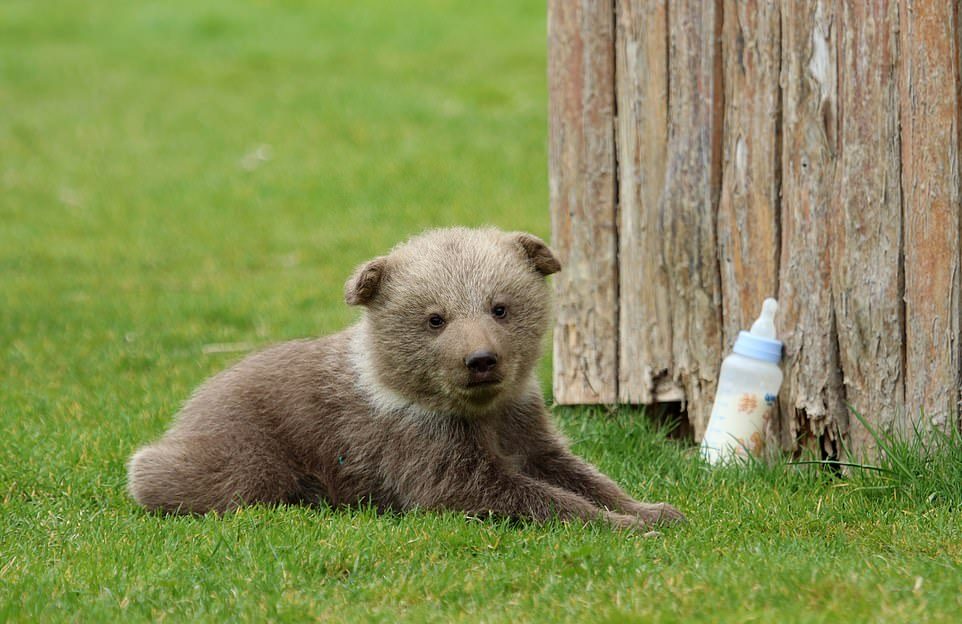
[747, 403]
[744, 434]
[754, 409]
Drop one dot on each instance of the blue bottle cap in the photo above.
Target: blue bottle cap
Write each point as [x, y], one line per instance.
[764, 349]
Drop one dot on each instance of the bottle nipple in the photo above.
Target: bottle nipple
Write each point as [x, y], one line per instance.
[764, 327]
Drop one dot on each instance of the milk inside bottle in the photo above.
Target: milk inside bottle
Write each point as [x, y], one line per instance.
[747, 388]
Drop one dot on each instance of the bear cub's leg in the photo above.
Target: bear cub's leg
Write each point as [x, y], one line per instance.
[198, 473]
[514, 494]
[557, 465]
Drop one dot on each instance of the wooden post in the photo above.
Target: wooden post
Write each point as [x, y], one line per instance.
[929, 102]
[867, 218]
[582, 101]
[641, 45]
[811, 401]
[690, 200]
[748, 214]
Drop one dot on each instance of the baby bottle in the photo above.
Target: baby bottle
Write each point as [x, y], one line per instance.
[747, 388]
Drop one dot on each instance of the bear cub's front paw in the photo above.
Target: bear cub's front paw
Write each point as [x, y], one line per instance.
[653, 514]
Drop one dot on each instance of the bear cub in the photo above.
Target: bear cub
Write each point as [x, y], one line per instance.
[430, 401]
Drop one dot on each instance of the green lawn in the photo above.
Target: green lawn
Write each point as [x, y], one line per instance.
[180, 175]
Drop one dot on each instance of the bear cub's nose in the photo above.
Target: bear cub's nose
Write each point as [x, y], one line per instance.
[482, 365]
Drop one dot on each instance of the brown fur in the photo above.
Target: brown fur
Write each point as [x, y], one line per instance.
[383, 411]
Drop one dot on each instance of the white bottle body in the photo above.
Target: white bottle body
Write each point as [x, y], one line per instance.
[747, 389]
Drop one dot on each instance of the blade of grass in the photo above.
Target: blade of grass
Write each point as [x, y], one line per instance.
[830, 462]
[882, 442]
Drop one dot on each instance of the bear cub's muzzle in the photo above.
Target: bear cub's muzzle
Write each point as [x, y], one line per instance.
[482, 368]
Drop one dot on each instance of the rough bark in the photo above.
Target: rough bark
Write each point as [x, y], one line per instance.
[930, 183]
[641, 64]
[582, 196]
[688, 208]
[867, 219]
[748, 217]
[811, 398]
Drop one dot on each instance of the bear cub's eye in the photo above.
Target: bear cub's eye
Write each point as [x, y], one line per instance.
[499, 312]
[436, 321]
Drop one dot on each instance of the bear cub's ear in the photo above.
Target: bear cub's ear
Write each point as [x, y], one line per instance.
[361, 288]
[537, 252]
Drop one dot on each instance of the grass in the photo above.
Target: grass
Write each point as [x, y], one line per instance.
[175, 175]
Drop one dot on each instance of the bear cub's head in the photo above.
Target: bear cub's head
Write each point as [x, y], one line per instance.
[454, 318]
